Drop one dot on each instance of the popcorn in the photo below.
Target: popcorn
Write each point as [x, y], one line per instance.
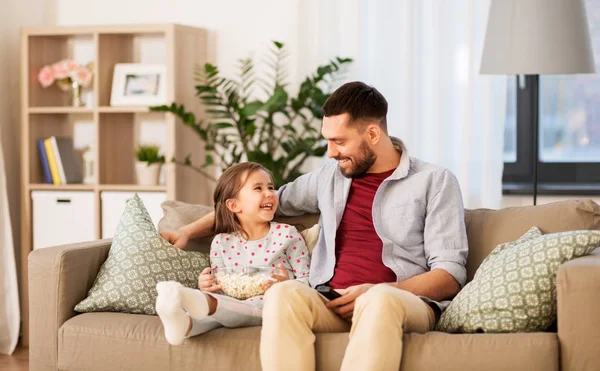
[242, 284]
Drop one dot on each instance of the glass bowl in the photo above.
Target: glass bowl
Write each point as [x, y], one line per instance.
[243, 282]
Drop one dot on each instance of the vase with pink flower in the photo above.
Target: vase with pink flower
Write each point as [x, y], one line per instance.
[68, 76]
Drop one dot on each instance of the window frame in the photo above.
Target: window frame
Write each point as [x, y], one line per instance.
[553, 177]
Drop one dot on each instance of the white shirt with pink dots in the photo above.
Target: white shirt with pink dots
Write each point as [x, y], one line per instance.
[282, 245]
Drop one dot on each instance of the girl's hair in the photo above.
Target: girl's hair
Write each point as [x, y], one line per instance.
[229, 185]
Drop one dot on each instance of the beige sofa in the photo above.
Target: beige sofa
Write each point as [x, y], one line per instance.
[60, 277]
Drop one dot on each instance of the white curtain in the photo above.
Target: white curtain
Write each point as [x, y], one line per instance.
[9, 293]
[423, 55]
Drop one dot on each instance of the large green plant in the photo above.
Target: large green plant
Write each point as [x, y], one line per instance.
[280, 132]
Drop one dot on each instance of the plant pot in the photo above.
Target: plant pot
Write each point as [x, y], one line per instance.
[147, 175]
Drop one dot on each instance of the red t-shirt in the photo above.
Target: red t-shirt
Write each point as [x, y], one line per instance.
[357, 246]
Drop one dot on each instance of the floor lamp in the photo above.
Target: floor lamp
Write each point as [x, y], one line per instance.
[537, 37]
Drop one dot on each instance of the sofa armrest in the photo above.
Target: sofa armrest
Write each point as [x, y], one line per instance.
[59, 277]
[578, 302]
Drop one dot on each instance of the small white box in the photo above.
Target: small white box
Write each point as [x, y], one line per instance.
[113, 205]
[62, 217]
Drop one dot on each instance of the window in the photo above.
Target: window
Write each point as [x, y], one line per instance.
[569, 129]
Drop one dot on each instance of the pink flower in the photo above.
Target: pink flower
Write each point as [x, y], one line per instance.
[65, 72]
[59, 70]
[46, 77]
[70, 65]
[65, 68]
[82, 75]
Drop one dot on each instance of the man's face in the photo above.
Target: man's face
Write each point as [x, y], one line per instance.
[348, 146]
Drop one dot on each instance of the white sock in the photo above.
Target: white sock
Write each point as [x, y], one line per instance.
[169, 308]
[194, 302]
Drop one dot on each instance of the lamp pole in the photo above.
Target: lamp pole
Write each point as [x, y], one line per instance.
[534, 81]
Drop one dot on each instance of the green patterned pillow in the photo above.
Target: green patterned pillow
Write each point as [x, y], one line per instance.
[514, 289]
[138, 259]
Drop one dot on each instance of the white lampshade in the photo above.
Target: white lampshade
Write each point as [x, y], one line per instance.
[537, 37]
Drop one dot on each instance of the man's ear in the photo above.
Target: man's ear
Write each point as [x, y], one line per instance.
[233, 205]
[373, 134]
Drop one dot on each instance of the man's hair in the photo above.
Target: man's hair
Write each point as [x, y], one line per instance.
[363, 103]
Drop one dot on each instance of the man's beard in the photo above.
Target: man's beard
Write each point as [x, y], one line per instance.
[363, 163]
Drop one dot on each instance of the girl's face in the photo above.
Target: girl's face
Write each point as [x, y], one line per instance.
[257, 200]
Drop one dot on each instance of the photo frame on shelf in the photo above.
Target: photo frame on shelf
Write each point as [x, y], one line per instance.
[136, 84]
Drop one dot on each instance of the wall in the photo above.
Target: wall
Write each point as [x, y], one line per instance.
[14, 15]
[236, 28]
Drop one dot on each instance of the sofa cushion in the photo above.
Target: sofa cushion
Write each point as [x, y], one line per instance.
[177, 214]
[138, 259]
[488, 228]
[514, 289]
[116, 341]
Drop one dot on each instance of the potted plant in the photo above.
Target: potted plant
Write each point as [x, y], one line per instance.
[279, 131]
[148, 164]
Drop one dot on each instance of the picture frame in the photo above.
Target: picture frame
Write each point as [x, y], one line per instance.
[136, 84]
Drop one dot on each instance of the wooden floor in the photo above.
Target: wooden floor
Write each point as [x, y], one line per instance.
[19, 361]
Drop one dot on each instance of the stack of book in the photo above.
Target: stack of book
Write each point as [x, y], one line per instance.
[60, 164]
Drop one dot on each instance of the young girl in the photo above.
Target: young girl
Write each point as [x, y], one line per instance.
[245, 203]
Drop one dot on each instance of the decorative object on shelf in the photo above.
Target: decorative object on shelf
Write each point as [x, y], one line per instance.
[69, 76]
[137, 84]
[59, 161]
[89, 162]
[278, 132]
[148, 165]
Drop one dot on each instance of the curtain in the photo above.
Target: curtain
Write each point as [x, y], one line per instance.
[423, 56]
[9, 293]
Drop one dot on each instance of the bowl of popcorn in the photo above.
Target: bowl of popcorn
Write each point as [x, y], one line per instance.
[243, 282]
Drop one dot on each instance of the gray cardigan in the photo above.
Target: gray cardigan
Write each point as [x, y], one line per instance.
[417, 212]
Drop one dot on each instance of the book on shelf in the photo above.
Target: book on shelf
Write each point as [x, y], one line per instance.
[59, 161]
[52, 162]
[44, 161]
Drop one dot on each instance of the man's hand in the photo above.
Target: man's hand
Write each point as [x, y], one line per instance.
[279, 275]
[176, 238]
[344, 306]
[206, 281]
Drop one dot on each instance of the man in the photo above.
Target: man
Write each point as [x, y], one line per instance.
[392, 243]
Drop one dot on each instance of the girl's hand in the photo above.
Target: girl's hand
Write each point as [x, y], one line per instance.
[206, 281]
[278, 275]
